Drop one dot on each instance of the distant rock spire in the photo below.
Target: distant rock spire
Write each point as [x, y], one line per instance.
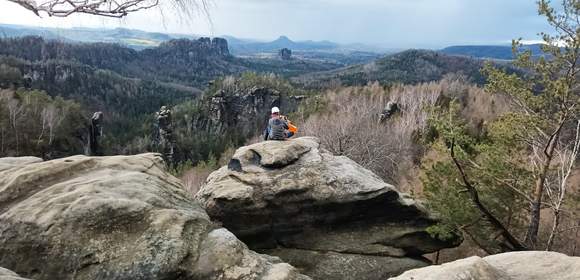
[164, 138]
[285, 54]
[95, 132]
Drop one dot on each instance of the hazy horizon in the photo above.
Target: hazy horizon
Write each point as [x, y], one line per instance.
[395, 24]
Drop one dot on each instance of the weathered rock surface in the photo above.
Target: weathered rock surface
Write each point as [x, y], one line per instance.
[287, 195]
[507, 266]
[241, 111]
[15, 162]
[119, 217]
[332, 265]
[6, 274]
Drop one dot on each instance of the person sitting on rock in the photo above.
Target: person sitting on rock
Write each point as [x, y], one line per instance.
[277, 128]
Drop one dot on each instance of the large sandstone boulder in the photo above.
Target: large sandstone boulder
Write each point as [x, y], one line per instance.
[119, 217]
[507, 266]
[278, 196]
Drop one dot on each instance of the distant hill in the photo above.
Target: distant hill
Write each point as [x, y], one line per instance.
[139, 40]
[311, 50]
[492, 52]
[132, 38]
[243, 47]
[408, 67]
[188, 62]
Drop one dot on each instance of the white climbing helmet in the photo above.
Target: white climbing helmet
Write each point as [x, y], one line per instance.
[275, 110]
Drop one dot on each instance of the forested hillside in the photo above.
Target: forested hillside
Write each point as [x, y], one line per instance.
[183, 61]
[33, 123]
[491, 52]
[408, 67]
[323, 51]
[128, 86]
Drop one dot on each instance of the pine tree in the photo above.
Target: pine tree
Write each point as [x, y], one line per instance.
[493, 186]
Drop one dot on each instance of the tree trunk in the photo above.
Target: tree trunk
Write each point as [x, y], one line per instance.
[513, 243]
[555, 226]
[2, 142]
[575, 239]
[535, 207]
[17, 140]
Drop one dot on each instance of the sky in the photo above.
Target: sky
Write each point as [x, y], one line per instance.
[383, 23]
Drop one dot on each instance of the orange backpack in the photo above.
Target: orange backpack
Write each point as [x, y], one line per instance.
[292, 128]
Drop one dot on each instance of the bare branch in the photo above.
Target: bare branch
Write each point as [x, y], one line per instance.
[106, 8]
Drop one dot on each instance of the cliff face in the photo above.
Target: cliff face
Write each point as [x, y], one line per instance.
[242, 112]
[180, 51]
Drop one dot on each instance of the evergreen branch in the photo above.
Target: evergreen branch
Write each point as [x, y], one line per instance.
[474, 195]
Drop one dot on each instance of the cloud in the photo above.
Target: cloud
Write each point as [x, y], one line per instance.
[390, 23]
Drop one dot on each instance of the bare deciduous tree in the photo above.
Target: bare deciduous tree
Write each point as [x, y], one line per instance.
[547, 99]
[107, 8]
[15, 109]
[352, 126]
[51, 118]
[566, 156]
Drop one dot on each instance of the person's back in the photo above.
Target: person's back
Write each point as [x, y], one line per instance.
[277, 129]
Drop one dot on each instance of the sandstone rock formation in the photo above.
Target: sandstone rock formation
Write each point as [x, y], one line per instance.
[507, 266]
[163, 138]
[119, 217]
[95, 133]
[242, 111]
[204, 46]
[6, 274]
[322, 213]
[285, 54]
[221, 45]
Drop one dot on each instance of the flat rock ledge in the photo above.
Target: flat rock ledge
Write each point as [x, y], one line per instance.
[508, 266]
[6, 274]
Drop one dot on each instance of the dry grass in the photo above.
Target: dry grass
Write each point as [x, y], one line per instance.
[195, 178]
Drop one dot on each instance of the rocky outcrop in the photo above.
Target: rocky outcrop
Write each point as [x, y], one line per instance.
[283, 196]
[6, 274]
[285, 54]
[507, 266]
[119, 217]
[221, 45]
[195, 49]
[242, 111]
